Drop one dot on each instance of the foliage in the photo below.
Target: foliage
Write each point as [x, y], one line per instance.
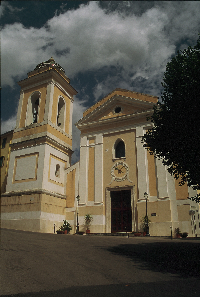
[88, 219]
[66, 226]
[175, 137]
[184, 234]
[177, 231]
[145, 222]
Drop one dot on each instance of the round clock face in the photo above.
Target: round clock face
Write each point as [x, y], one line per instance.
[119, 171]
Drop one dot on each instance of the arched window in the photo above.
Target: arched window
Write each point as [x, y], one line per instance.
[33, 108]
[61, 113]
[119, 149]
[57, 172]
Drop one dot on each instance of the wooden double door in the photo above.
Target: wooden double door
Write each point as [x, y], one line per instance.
[121, 212]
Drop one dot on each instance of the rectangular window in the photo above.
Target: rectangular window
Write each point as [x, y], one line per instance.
[3, 143]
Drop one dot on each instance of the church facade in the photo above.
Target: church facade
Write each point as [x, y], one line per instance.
[117, 180]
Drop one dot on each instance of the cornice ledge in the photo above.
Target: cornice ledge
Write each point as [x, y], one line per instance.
[116, 119]
[31, 192]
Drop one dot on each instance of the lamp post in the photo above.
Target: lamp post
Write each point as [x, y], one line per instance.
[77, 224]
[146, 217]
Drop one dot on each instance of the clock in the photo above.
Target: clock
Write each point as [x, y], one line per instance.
[119, 171]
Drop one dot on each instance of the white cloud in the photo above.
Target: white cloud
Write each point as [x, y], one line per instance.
[90, 38]
[9, 124]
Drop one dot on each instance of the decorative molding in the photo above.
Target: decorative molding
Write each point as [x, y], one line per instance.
[64, 91]
[15, 168]
[82, 124]
[33, 191]
[41, 140]
[118, 98]
[49, 174]
[118, 130]
[118, 167]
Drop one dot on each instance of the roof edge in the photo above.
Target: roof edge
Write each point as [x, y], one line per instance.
[125, 93]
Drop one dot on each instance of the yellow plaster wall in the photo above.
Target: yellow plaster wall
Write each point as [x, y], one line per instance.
[181, 191]
[40, 129]
[33, 202]
[57, 93]
[91, 174]
[161, 208]
[93, 210]
[152, 174]
[70, 216]
[70, 188]
[6, 153]
[183, 213]
[51, 204]
[130, 159]
[21, 203]
[28, 204]
[27, 94]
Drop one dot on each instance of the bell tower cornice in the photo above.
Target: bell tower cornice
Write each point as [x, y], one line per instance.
[49, 76]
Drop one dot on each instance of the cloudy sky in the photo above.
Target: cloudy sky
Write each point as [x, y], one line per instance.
[101, 45]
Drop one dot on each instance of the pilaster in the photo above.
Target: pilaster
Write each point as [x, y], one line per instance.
[83, 183]
[49, 102]
[141, 164]
[19, 108]
[99, 169]
[161, 179]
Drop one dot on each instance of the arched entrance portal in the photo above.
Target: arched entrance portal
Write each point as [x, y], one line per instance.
[121, 212]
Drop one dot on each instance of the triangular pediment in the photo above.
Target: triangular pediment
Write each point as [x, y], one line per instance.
[117, 105]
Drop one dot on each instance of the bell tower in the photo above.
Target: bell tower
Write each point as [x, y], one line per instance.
[41, 147]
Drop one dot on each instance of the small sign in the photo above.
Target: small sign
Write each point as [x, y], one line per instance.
[153, 214]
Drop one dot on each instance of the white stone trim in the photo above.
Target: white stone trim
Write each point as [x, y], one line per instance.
[161, 179]
[63, 90]
[119, 99]
[118, 130]
[98, 169]
[50, 88]
[82, 124]
[70, 119]
[19, 109]
[49, 101]
[83, 178]
[141, 163]
[97, 220]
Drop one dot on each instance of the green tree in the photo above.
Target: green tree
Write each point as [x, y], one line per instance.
[175, 137]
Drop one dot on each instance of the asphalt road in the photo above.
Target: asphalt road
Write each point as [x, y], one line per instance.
[36, 264]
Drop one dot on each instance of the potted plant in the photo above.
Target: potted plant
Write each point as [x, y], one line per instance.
[137, 233]
[145, 224]
[65, 228]
[177, 232]
[184, 234]
[88, 219]
[60, 231]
